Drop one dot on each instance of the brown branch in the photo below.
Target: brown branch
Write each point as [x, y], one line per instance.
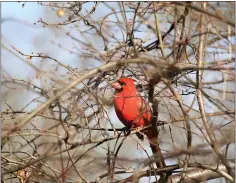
[208, 129]
[204, 11]
[198, 173]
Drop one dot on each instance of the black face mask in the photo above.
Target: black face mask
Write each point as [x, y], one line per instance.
[122, 84]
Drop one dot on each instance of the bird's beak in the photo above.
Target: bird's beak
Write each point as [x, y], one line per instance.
[116, 85]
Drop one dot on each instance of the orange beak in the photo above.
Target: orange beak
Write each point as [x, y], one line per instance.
[116, 85]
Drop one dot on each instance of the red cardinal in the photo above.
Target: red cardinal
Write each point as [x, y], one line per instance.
[131, 108]
[134, 111]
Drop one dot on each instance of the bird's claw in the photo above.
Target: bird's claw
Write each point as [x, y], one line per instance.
[127, 131]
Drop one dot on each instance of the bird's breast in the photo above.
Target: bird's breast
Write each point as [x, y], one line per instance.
[126, 108]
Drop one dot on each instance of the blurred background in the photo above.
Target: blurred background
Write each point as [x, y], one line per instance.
[45, 46]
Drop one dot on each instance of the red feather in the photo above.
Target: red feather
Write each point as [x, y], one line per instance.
[134, 111]
[131, 109]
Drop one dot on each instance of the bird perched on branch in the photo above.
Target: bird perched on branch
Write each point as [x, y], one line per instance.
[131, 109]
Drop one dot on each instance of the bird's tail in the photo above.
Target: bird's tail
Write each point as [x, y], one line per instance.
[160, 162]
[154, 144]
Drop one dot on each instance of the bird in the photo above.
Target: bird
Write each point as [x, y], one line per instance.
[130, 107]
[133, 111]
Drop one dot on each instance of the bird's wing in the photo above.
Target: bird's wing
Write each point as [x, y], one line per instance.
[142, 104]
[144, 109]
